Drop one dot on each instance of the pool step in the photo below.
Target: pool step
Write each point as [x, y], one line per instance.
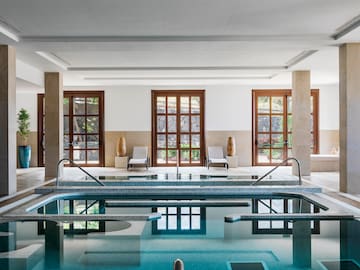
[247, 266]
[183, 203]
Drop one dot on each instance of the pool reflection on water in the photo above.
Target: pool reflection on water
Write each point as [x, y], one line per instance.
[193, 231]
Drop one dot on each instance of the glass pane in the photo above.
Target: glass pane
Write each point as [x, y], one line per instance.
[172, 222]
[184, 141]
[263, 155]
[171, 104]
[264, 123]
[289, 104]
[195, 210]
[289, 123]
[185, 156]
[311, 123]
[66, 154]
[277, 123]
[79, 141]
[185, 222]
[195, 141]
[263, 140]
[161, 124]
[79, 106]
[161, 156]
[290, 140]
[311, 104]
[66, 125]
[66, 106]
[161, 223]
[171, 123]
[195, 222]
[79, 124]
[290, 206]
[93, 141]
[195, 156]
[277, 140]
[185, 210]
[80, 225]
[263, 206]
[161, 210]
[277, 224]
[277, 105]
[92, 105]
[92, 124]
[184, 104]
[161, 143]
[172, 210]
[160, 104]
[66, 141]
[79, 156]
[195, 123]
[264, 224]
[278, 205]
[277, 155]
[93, 156]
[172, 156]
[195, 104]
[263, 104]
[172, 141]
[184, 124]
[289, 152]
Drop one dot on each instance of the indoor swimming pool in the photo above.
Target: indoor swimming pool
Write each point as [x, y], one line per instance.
[79, 231]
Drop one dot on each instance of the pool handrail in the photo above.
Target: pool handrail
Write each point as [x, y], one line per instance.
[277, 166]
[80, 168]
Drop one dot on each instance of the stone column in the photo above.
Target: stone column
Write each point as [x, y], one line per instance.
[301, 112]
[7, 120]
[349, 99]
[54, 132]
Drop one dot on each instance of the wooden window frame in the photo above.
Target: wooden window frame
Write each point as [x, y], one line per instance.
[178, 93]
[285, 93]
[69, 94]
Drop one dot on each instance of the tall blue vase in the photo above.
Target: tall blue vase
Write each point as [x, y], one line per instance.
[24, 156]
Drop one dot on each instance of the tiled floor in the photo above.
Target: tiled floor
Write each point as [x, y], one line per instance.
[329, 181]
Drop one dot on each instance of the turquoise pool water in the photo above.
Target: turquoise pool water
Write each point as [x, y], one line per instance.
[193, 230]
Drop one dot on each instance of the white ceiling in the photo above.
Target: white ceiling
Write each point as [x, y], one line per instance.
[180, 41]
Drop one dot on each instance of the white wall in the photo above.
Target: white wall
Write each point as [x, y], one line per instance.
[329, 107]
[228, 108]
[28, 101]
[128, 108]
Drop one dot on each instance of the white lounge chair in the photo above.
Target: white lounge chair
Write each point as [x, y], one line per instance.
[216, 157]
[139, 157]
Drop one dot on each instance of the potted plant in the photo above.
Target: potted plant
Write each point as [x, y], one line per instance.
[24, 150]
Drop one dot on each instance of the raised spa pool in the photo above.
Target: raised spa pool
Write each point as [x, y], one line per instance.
[278, 231]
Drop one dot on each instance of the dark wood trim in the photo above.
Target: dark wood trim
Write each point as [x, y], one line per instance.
[316, 103]
[40, 125]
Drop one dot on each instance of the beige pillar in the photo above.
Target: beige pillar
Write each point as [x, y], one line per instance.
[7, 120]
[349, 98]
[54, 132]
[301, 112]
